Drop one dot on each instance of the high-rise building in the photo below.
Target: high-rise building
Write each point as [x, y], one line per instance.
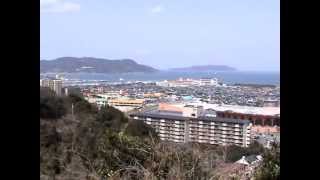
[53, 84]
[190, 124]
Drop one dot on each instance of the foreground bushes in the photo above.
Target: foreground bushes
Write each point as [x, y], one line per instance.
[51, 106]
[270, 168]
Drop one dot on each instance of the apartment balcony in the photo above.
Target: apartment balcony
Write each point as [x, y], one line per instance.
[177, 133]
[228, 132]
[178, 141]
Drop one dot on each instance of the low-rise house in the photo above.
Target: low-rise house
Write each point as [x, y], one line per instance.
[250, 163]
[250, 160]
[98, 100]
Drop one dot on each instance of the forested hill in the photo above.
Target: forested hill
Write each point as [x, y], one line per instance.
[92, 65]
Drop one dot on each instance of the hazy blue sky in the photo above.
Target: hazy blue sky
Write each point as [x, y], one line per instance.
[165, 33]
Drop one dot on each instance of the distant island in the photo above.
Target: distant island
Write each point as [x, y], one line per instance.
[204, 68]
[92, 65]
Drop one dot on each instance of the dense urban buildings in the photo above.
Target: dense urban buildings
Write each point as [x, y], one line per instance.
[201, 110]
[182, 82]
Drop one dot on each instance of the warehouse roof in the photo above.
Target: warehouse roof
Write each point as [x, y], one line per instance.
[268, 111]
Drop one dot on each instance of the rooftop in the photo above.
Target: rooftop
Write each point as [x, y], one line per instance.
[268, 111]
[139, 101]
[178, 116]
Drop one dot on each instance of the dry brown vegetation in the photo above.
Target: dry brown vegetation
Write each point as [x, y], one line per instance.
[103, 144]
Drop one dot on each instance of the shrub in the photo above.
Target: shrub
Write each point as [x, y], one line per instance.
[110, 117]
[140, 129]
[51, 107]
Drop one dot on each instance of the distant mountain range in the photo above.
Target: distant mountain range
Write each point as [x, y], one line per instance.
[99, 65]
[93, 65]
[204, 68]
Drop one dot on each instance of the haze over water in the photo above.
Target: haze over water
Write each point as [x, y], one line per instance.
[250, 77]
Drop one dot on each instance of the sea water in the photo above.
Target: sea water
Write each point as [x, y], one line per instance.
[249, 77]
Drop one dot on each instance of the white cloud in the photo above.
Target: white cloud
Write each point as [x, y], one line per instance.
[157, 9]
[58, 6]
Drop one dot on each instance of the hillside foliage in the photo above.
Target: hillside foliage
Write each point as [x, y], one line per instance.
[94, 144]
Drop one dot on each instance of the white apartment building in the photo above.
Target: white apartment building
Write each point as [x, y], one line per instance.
[181, 127]
[208, 82]
[53, 84]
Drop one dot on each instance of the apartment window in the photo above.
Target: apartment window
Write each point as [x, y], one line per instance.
[268, 122]
[258, 122]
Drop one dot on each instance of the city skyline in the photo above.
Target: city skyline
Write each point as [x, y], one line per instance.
[164, 34]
